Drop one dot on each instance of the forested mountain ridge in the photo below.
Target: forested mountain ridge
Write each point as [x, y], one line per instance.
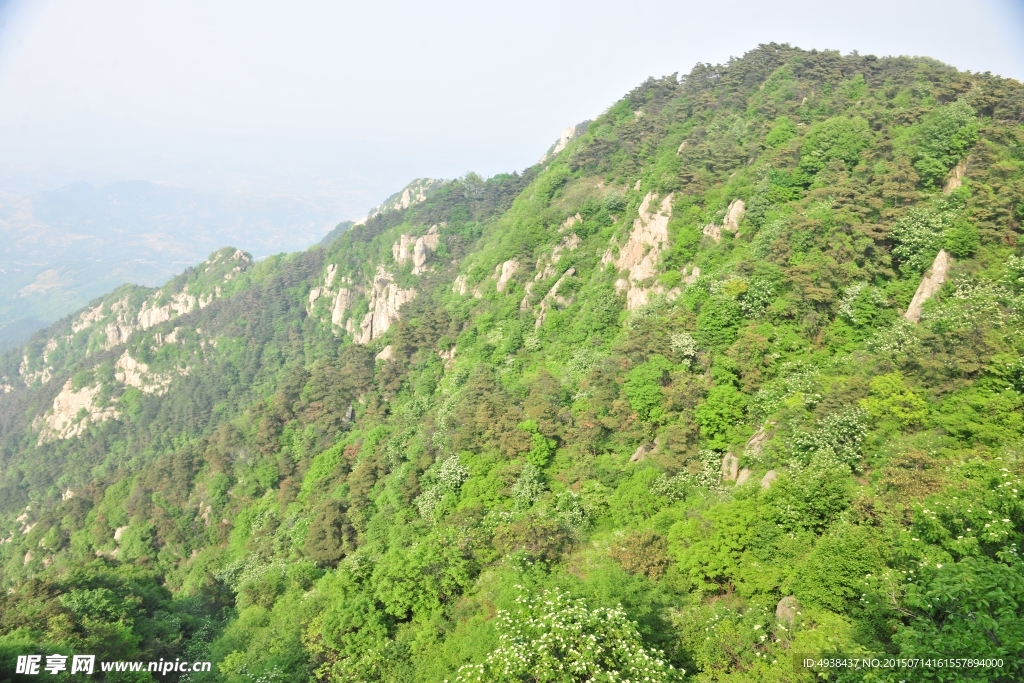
[733, 376]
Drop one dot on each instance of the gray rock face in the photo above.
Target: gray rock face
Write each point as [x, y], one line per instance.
[931, 283]
[785, 611]
[768, 478]
[956, 177]
[641, 452]
[730, 467]
[743, 477]
[731, 222]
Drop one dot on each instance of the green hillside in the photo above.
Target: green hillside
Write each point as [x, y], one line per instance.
[731, 380]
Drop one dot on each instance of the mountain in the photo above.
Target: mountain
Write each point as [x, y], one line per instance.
[63, 248]
[730, 381]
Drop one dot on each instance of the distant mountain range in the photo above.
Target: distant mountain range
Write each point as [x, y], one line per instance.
[64, 247]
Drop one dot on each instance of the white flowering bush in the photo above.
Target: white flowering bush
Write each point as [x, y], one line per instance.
[428, 501]
[684, 346]
[918, 238]
[972, 302]
[837, 437]
[552, 638]
[452, 473]
[760, 293]
[898, 338]
[797, 384]
[528, 487]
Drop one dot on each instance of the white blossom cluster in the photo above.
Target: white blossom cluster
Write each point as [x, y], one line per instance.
[972, 302]
[895, 339]
[847, 307]
[552, 638]
[796, 381]
[837, 437]
[684, 346]
[528, 487]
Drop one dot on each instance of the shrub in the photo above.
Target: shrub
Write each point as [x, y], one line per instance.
[838, 138]
[553, 638]
[642, 552]
[890, 399]
[330, 536]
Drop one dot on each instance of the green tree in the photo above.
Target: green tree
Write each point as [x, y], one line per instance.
[722, 410]
[839, 138]
[330, 536]
[971, 608]
[643, 387]
[890, 399]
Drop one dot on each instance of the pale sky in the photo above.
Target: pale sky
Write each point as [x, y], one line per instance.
[351, 100]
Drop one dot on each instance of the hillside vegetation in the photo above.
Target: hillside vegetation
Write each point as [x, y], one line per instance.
[733, 377]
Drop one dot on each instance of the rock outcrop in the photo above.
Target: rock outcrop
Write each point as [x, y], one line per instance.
[552, 298]
[385, 299]
[132, 373]
[731, 222]
[768, 478]
[639, 256]
[66, 420]
[641, 452]
[342, 302]
[956, 177]
[787, 609]
[115, 321]
[546, 266]
[504, 272]
[416, 248]
[568, 133]
[931, 283]
[730, 467]
[756, 442]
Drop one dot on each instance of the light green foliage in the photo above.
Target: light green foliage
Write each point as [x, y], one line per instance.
[553, 638]
[811, 497]
[783, 130]
[836, 139]
[717, 322]
[643, 387]
[941, 140]
[890, 399]
[719, 413]
[541, 447]
[974, 605]
[833, 574]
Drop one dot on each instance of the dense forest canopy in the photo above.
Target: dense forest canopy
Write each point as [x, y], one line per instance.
[735, 376]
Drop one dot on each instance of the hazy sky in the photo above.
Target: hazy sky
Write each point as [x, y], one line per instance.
[350, 100]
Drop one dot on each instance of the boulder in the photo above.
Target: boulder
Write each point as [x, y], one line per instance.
[641, 452]
[786, 610]
[743, 476]
[757, 441]
[768, 478]
[504, 272]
